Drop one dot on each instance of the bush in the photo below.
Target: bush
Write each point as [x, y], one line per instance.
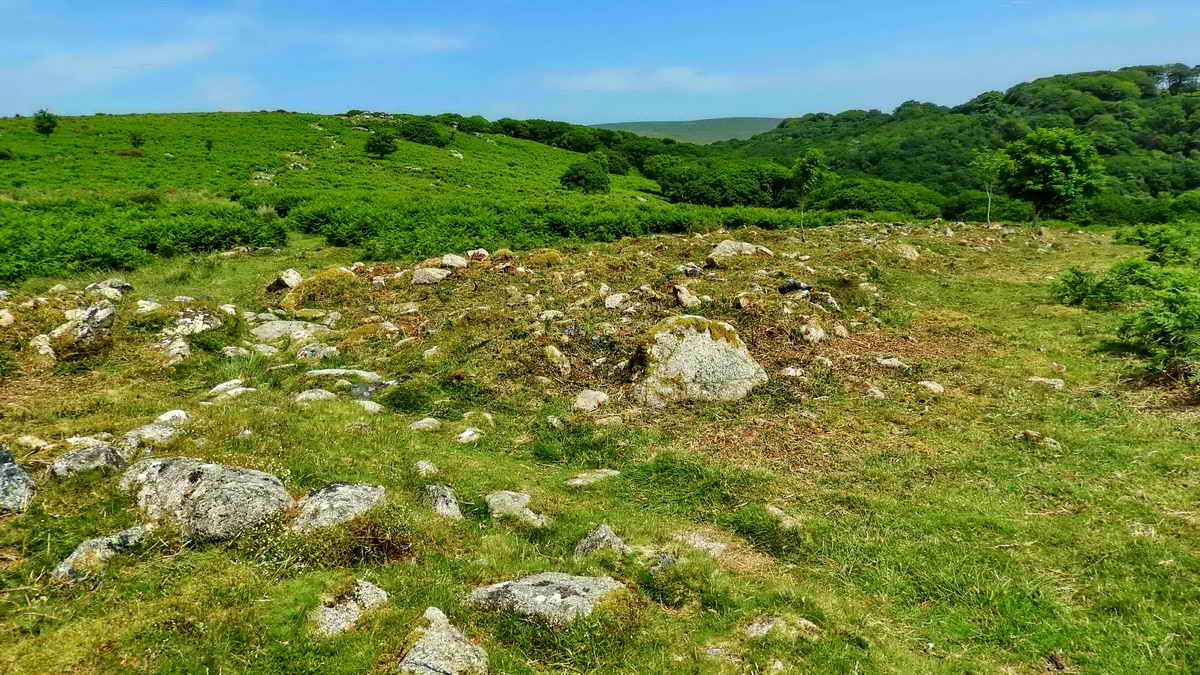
[873, 194]
[137, 139]
[724, 183]
[381, 144]
[1167, 332]
[45, 122]
[424, 132]
[1168, 244]
[1123, 282]
[586, 176]
[971, 205]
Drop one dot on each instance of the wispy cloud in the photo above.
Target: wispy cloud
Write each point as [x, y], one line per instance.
[673, 78]
[367, 44]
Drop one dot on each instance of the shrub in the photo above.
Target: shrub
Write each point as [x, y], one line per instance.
[1167, 332]
[45, 122]
[1168, 244]
[586, 176]
[137, 139]
[1123, 282]
[971, 205]
[381, 144]
[7, 153]
[874, 194]
[424, 132]
[724, 183]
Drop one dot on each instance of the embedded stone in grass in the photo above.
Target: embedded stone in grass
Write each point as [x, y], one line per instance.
[225, 386]
[337, 615]
[90, 556]
[601, 538]
[425, 468]
[790, 627]
[691, 358]
[235, 352]
[114, 284]
[427, 424]
[429, 275]
[589, 400]
[314, 395]
[701, 542]
[366, 375]
[286, 279]
[469, 435]
[892, 362]
[685, 296]
[729, 249]
[593, 476]
[1048, 382]
[315, 351]
[89, 332]
[147, 306]
[272, 330]
[558, 360]
[371, 407]
[506, 504]
[334, 504]
[550, 315]
[553, 597]
[932, 386]
[478, 254]
[209, 502]
[785, 521]
[616, 300]
[444, 500]
[164, 429]
[16, 487]
[441, 649]
[87, 458]
[454, 261]
[1038, 438]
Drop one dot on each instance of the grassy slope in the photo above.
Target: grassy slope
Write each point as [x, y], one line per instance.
[699, 131]
[930, 540]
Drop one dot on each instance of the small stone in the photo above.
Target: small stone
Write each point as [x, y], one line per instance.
[685, 297]
[16, 487]
[365, 375]
[792, 372]
[589, 400]
[430, 354]
[550, 315]
[601, 538]
[701, 542]
[286, 280]
[235, 352]
[558, 360]
[425, 468]
[315, 351]
[1048, 382]
[785, 521]
[553, 597]
[315, 395]
[469, 435]
[506, 504]
[590, 477]
[337, 615]
[793, 286]
[429, 275]
[1035, 437]
[454, 261]
[224, 387]
[616, 300]
[729, 249]
[89, 557]
[88, 458]
[876, 393]
[932, 386]
[442, 649]
[909, 253]
[299, 331]
[427, 424]
[445, 502]
[478, 254]
[334, 504]
[823, 361]
[892, 362]
[371, 407]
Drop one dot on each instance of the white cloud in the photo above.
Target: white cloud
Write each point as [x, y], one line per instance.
[673, 78]
[367, 44]
[226, 92]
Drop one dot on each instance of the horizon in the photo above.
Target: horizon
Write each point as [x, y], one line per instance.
[576, 64]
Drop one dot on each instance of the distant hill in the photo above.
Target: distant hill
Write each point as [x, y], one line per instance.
[699, 131]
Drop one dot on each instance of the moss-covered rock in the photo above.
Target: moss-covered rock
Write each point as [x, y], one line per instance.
[691, 358]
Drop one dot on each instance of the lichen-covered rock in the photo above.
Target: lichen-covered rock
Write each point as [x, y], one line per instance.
[589, 400]
[426, 424]
[86, 333]
[729, 249]
[444, 501]
[287, 279]
[164, 429]
[429, 275]
[591, 476]
[553, 597]
[99, 456]
[691, 358]
[601, 538]
[335, 504]
[315, 395]
[16, 487]
[339, 614]
[172, 341]
[441, 649]
[506, 504]
[365, 375]
[90, 556]
[269, 331]
[208, 501]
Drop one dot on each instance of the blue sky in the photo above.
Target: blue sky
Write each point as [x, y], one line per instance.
[582, 62]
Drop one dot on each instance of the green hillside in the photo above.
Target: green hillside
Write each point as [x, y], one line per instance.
[698, 131]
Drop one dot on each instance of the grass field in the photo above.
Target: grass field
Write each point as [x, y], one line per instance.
[925, 534]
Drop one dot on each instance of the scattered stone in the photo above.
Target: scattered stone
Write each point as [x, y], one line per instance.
[235, 352]
[812, 333]
[729, 249]
[16, 487]
[909, 253]
[789, 627]
[334, 504]
[504, 503]
[691, 270]
[550, 315]
[6, 318]
[40, 344]
[429, 275]
[427, 424]
[616, 300]
[315, 395]
[225, 386]
[287, 280]
[593, 476]
[430, 354]
[478, 254]
[691, 358]
[876, 393]
[701, 542]
[425, 468]
[558, 360]
[116, 284]
[589, 400]
[88, 458]
[208, 501]
[1035, 437]
[445, 502]
[793, 286]
[1048, 382]
[371, 407]
[89, 332]
[89, 557]
[315, 351]
[183, 298]
[601, 538]
[367, 375]
[274, 329]
[164, 429]
[34, 443]
[685, 297]
[442, 649]
[337, 615]
[265, 350]
[785, 521]
[553, 597]
[469, 435]
[823, 361]
[892, 362]
[932, 386]
[453, 261]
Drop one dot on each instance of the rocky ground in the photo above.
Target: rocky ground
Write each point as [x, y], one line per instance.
[859, 448]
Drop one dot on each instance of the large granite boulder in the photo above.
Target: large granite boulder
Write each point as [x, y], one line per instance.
[691, 358]
[553, 597]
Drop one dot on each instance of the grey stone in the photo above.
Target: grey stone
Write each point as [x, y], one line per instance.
[16, 487]
[454, 261]
[115, 283]
[371, 407]
[441, 649]
[729, 249]
[315, 351]
[691, 358]
[89, 557]
[286, 279]
[88, 458]
[445, 501]
[164, 429]
[346, 372]
[334, 504]
[90, 331]
[593, 476]
[337, 615]
[601, 538]
[208, 501]
[427, 424]
[558, 360]
[1048, 382]
[701, 542]
[425, 467]
[506, 504]
[269, 331]
[429, 275]
[589, 400]
[553, 597]
[315, 395]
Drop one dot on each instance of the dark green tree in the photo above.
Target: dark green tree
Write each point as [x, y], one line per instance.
[381, 144]
[137, 139]
[45, 122]
[586, 176]
[424, 132]
[1053, 168]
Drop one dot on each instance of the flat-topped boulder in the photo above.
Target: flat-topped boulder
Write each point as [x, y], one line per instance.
[553, 597]
[438, 648]
[691, 358]
[335, 504]
[269, 331]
